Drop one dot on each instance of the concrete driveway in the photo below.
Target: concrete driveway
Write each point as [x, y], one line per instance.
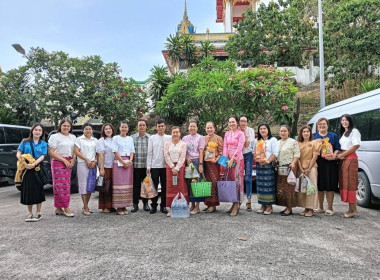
[205, 246]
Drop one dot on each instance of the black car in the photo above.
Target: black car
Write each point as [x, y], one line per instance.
[10, 138]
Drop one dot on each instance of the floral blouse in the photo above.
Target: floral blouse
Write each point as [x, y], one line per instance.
[175, 153]
[288, 150]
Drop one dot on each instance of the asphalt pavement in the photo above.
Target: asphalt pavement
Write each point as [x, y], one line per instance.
[205, 246]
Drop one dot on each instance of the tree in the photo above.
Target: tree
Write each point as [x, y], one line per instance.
[213, 90]
[281, 32]
[160, 82]
[207, 49]
[352, 36]
[54, 86]
[181, 49]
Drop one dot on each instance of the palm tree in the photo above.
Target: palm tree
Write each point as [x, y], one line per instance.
[160, 82]
[188, 50]
[207, 49]
[174, 46]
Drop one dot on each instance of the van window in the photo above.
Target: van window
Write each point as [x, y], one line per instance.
[2, 138]
[368, 124]
[12, 135]
[25, 133]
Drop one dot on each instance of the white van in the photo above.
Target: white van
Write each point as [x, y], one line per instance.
[365, 109]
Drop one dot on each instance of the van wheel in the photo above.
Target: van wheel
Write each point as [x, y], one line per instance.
[363, 194]
[74, 185]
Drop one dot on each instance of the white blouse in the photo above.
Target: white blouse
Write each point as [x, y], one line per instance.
[250, 134]
[352, 140]
[64, 145]
[271, 147]
[105, 146]
[87, 147]
[123, 145]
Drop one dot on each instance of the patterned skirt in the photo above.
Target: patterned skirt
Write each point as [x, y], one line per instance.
[105, 199]
[172, 191]
[212, 174]
[122, 195]
[286, 195]
[348, 179]
[61, 183]
[266, 184]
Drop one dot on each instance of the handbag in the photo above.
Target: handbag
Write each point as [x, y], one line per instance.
[91, 180]
[227, 190]
[43, 173]
[201, 188]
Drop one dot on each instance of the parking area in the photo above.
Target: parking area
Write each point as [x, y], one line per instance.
[204, 246]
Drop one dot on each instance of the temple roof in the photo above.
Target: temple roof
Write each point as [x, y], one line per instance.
[185, 26]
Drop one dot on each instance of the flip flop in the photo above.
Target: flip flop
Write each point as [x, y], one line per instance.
[329, 213]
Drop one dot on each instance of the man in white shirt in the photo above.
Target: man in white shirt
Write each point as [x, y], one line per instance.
[156, 165]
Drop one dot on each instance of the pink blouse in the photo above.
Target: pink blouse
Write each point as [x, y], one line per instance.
[175, 153]
[234, 144]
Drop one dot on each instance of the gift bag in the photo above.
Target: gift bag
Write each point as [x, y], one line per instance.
[292, 180]
[327, 149]
[201, 188]
[191, 172]
[91, 180]
[227, 190]
[147, 188]
[210, 151]
[260, 150]
[303, 184]
[310, 188]
[179, 207]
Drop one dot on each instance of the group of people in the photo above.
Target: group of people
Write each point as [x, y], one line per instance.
[125, 161]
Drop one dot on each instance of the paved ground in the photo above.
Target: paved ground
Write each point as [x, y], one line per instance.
[205, 246]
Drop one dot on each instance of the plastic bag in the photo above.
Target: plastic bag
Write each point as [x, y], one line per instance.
[260, 150]
[91, 180]
[147, 188]
[179, 207]
[292, 180]
[310, 188]
[210, 151]
[191, 172]
[327, 149]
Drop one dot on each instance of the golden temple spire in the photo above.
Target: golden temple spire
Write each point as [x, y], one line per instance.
[185, 26]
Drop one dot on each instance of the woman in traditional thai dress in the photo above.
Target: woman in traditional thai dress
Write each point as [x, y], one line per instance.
[350, 140]
[265, 172]
[195, 147]
[32, 191]
[213, 152]
[175, 157]
[234, 140]
[327, 167]
[61, 151]
[85, 150]
[122, 171]
[307, 165]
[288, 156]
[106, 159]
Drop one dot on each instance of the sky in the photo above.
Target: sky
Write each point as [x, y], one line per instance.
[131, 33]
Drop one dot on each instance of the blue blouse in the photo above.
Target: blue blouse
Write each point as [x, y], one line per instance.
[39, 149]
[333, 139]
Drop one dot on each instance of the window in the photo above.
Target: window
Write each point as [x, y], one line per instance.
[12, 135]
[315, 60]
[368, 124]
[2, 138]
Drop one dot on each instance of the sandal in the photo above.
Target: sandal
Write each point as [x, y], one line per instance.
[248, 206]
[351, 215]
[329, 213]
[319, 210]
[303, 213]
[309, 214]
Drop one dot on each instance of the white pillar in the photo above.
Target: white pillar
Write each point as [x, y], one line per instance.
[228, 18]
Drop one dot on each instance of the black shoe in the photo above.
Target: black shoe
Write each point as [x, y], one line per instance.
[37, 218]
[283, 211]
[146, 207]
[135, 208]
[163, 210]
[153, 210]
[284, 214]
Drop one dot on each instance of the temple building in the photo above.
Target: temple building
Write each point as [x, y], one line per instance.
[228, 12]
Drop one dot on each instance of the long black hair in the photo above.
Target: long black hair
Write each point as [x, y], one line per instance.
[351, 126]
[259, 137]
[30, 136]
